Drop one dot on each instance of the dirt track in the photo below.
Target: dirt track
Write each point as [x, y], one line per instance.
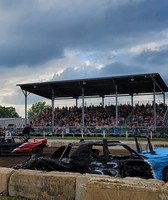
[10, 161]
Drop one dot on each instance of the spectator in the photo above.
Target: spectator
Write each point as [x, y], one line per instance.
[8, 136]
[26, 131]
[132, 116]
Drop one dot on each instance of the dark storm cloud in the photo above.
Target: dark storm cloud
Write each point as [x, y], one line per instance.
[118, 68]
[34, 34]
[20, 55]
[156, 58]
[113, 69]
[154, 61]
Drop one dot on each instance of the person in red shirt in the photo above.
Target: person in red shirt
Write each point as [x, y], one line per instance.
[26, 131]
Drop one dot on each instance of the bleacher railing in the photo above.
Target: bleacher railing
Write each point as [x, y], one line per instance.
[105, 131]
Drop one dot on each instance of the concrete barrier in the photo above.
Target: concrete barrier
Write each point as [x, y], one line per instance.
[120, 188]
[5, 174]
[42, 185]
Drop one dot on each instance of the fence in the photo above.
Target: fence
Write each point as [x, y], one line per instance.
[124, 131]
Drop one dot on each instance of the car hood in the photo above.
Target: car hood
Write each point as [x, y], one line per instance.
[157, 152]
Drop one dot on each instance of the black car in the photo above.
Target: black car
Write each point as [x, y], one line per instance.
[95, 157]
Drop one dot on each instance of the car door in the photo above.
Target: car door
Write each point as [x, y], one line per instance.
[136, 168]
[7, 146]
[129, 162]
[102, 162]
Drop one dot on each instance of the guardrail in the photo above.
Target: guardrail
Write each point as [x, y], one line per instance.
[142, 131]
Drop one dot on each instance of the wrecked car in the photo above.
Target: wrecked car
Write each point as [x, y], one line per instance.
[156, 157]
[104, 157]
[19, 145]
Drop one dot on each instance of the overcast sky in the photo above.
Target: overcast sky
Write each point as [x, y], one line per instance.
[44, 40]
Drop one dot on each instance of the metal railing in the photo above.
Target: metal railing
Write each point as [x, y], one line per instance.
[104, 131]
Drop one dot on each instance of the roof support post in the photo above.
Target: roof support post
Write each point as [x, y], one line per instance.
[103, 101]
[164, 99]
[76, 102]
[154, 105]
[26, 107]
[53, 111]
[132, 100]
[155, 82]
[83, 119]
[26, 95]
[116, 125]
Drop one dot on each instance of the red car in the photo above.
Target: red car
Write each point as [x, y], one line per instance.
[19, 145]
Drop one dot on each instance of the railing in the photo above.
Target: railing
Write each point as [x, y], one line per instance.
[105, 131]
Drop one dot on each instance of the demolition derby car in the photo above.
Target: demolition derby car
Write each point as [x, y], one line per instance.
[18, 145]
[104, 157]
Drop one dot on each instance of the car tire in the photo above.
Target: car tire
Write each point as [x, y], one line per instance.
[37, 150]
[165, 175]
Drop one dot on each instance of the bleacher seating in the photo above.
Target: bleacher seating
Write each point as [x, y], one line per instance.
[98, 119]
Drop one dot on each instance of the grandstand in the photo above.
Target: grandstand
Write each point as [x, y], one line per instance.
[118, 86]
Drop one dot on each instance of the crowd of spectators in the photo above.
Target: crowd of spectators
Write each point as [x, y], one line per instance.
[138, 115]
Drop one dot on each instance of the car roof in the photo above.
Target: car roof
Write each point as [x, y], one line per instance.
[104, 142]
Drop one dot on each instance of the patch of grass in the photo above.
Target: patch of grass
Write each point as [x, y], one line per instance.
[11, 198]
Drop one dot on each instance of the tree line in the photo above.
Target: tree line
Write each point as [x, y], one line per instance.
[8, 112]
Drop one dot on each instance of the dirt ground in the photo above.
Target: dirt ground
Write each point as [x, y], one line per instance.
[11, 161]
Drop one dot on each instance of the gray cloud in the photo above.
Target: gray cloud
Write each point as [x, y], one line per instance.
[154, 57]
[79, 39]
[118, 68]
[37, 33]
[113, 69]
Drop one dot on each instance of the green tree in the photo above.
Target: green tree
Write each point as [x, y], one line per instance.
[7, 112]
[37, 108]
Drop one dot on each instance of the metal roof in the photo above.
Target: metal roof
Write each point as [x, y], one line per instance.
[104, 86]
